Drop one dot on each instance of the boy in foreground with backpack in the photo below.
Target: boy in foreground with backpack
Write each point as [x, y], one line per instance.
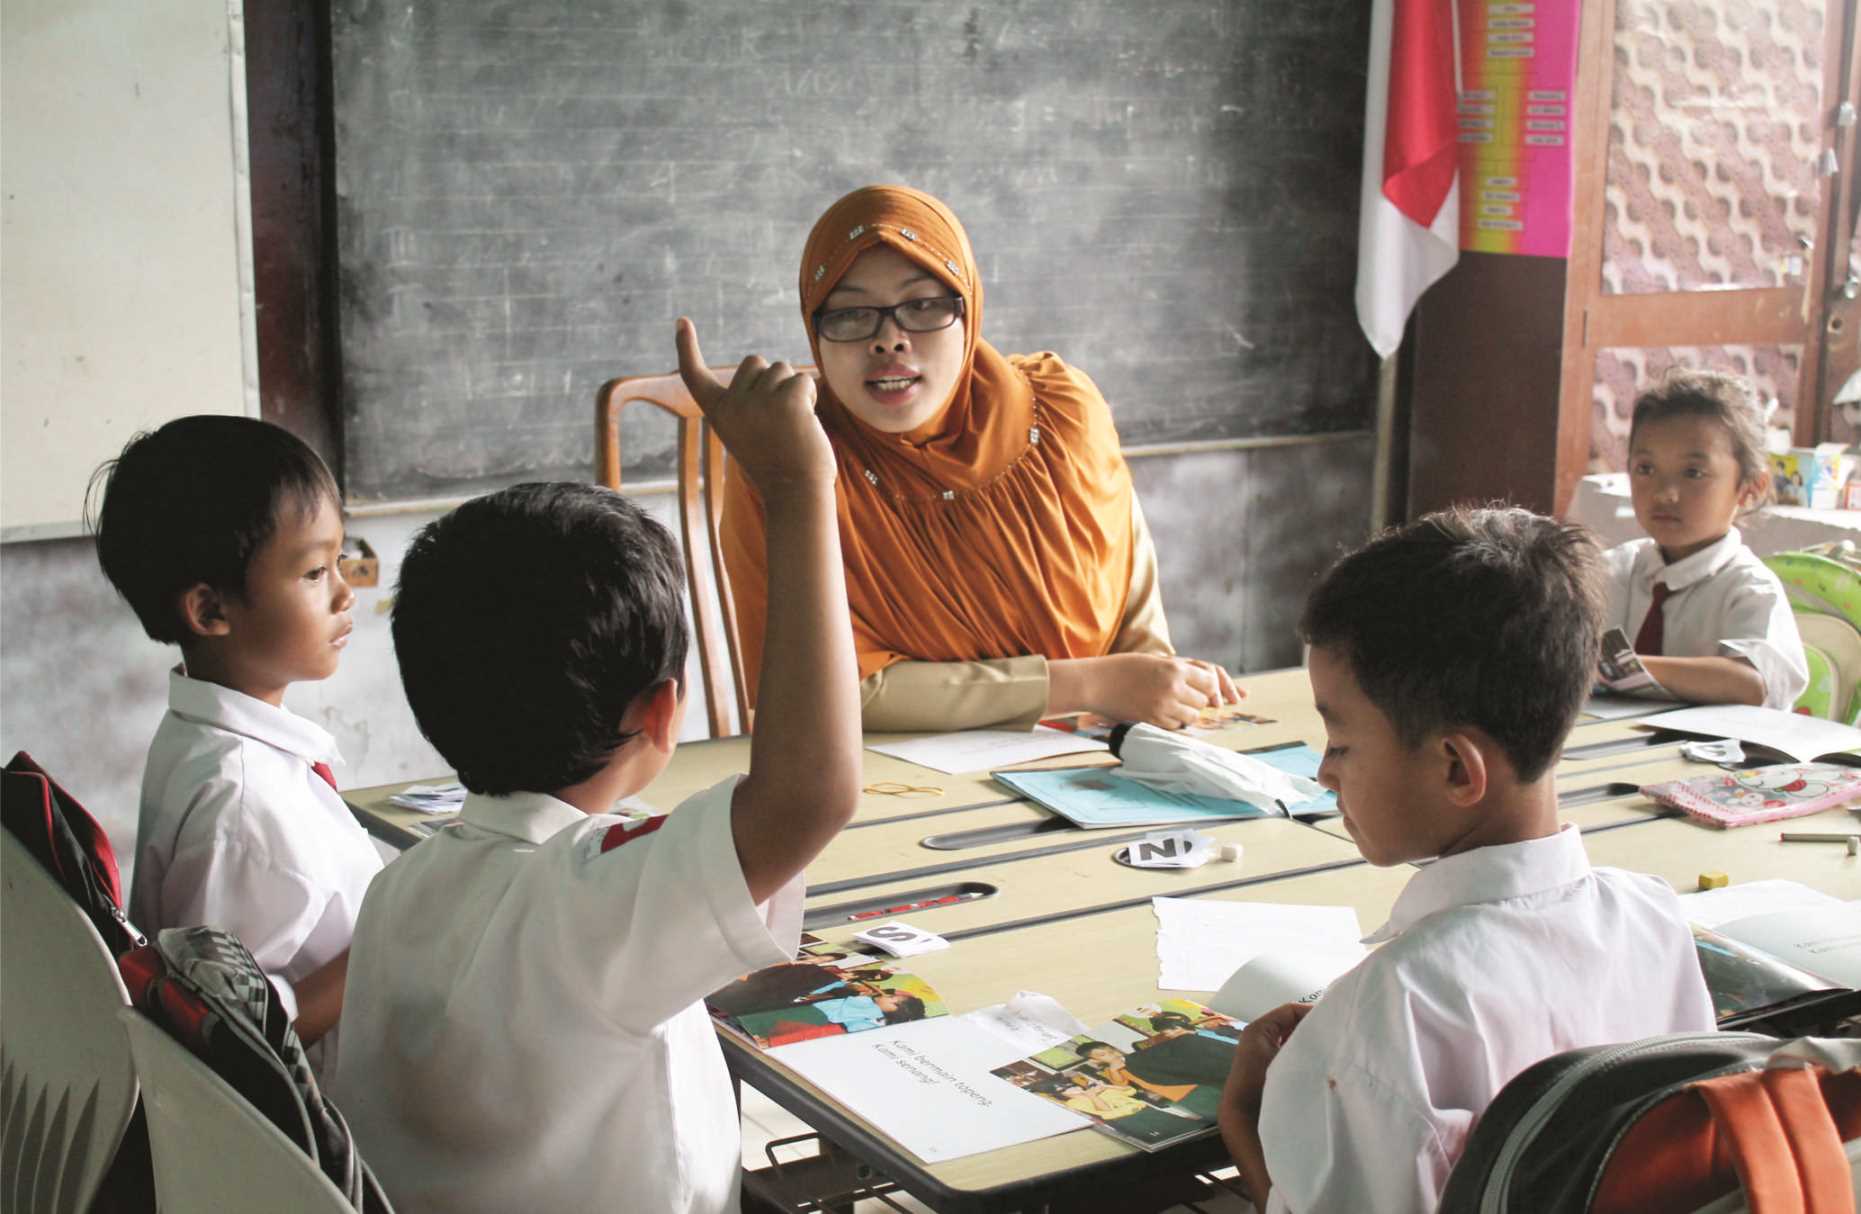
[1448, 660]
[524, 1021]
[223, 533]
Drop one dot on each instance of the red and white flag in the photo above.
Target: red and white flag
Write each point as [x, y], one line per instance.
[1408, 231]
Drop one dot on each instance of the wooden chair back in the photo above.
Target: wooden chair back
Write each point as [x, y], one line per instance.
[700, 510]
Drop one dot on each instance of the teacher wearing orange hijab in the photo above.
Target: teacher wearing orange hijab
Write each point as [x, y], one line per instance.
[998, 567]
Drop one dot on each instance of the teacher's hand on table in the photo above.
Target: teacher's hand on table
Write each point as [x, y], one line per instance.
[1167, 692]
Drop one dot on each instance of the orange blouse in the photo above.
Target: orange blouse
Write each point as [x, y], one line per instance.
[999, 528]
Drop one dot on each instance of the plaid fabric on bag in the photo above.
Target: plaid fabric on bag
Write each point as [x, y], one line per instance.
[205, 988]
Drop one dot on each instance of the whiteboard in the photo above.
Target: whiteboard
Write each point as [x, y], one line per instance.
[125, 265]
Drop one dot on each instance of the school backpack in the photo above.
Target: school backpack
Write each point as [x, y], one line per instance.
[202, 985]
[70, 844]
[1671, 1124]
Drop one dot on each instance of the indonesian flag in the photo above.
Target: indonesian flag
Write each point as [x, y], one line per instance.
[1408, 230]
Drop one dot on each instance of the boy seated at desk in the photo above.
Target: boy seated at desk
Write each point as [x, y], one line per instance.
[1448, 659]
[523, 1022]
[223, 534]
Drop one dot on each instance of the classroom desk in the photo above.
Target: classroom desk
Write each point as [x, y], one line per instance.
[1058, 889]
[1083, 879]
[1680, 849]
[1283, 696]
[991, 968]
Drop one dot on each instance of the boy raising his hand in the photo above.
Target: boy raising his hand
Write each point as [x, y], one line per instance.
[524, 989]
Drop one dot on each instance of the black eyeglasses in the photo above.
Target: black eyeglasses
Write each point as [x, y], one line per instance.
[913, 316]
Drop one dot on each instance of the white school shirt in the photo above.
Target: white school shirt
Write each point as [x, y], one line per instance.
[236, 831]
[523, 1028]
[1732, 607]
[1491, 960]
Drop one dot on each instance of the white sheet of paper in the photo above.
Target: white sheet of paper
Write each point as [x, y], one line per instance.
[1712, 907]
[1201, 943]
[1275, 978]
[1802, 738]
[927, 1085]
[985, 749]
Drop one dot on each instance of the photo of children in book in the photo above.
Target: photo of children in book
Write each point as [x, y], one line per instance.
[824, 992]
[1151, 1077]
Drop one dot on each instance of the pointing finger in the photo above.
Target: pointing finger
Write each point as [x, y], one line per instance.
[703, 386]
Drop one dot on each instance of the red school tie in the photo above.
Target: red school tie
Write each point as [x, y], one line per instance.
[323, 769]
[1649, 639]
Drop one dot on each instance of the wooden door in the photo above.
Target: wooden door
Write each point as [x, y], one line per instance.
[1702, 208]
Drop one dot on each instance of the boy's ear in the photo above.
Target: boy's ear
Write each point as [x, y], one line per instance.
[203, 609]
[659, 714]
[1466, 768]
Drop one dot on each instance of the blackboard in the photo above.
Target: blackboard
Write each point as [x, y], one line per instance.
[528, 194]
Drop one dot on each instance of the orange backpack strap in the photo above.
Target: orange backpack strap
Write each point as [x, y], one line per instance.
[1782, 1140]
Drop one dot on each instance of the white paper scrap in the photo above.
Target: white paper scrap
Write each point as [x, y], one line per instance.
[902, 940]
[431, 798]
[1201, 943]
[1034, 1022]
[927, 1084]
[986, 749]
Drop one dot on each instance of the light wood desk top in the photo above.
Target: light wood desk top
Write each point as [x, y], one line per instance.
[1086, 877]
[1680, 849]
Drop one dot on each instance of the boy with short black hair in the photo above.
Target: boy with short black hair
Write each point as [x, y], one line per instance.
[223, 533]
[1448, 660]
[524, 1025]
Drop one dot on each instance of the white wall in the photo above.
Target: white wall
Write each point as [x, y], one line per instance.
[126, 296]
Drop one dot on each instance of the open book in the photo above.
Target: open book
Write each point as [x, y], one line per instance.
[1777, 950]
[1101, 797]
[1793, 736]
[1150, 1077]
[823, 993]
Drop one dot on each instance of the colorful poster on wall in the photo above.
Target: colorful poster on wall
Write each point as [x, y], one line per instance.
[1517, 121]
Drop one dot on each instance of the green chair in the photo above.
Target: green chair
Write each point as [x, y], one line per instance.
[1824, 588]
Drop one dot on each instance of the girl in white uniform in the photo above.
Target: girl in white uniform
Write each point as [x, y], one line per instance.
[1708, 620]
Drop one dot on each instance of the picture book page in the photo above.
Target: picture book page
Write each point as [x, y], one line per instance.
[1150, 1077]
[1823, 940]
[933, 1086]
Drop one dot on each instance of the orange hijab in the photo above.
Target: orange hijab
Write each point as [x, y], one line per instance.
[1000, 527]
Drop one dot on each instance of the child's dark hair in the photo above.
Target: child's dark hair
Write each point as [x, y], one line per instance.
[1174, 1020]
[905, 1008]
[192, 502]
[1084, 1048]
[1726, 399]
[1483, 617]
[525, 623]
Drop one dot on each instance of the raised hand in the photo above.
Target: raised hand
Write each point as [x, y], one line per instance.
[765, 415]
